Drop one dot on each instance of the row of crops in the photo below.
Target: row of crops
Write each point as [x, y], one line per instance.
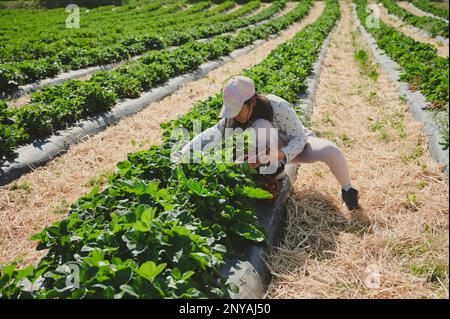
[161, 229]
[59, 106]
[107, 37]
[422, 68]
[433, 26]
[426, 6]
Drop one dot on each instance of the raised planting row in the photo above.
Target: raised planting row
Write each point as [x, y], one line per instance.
[26, 19]
[52, 30]
[89, 51]
[422, 68]
[203, 33]
[159, 229]
[14, 75]
[37, 13]
[433, 26]
[426, 6]
[57, 107]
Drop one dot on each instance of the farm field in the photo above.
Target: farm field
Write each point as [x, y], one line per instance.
[136, 224]
[441, 5]
[439, 9]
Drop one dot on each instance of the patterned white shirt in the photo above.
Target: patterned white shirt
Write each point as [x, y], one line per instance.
[290, 128]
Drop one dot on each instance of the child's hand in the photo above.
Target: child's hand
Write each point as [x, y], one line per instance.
[256, 164]
[252, 162]
[272, 155]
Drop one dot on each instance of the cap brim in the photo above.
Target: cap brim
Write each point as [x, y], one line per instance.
[228, 112]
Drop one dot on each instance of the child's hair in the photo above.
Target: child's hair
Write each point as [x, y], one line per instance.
[261, 110]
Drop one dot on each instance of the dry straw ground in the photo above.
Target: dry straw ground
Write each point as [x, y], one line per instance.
[412, 8]
[43, 196]
[399, 238]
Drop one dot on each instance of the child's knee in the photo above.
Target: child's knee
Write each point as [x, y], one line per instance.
[262, 123]
[265, 133]
[332, 153]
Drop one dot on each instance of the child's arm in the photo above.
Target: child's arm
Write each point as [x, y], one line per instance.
[205, 140]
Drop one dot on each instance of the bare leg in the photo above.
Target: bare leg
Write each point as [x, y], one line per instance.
[318, 149]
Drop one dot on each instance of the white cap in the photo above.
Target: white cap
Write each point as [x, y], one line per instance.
[236, 91]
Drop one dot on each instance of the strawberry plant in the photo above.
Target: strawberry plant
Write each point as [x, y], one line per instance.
[10, 134]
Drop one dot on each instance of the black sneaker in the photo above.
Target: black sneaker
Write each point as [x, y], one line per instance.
[350, 198]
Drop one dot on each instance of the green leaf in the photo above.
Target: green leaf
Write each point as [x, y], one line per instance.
[8, 270]
[23, 273]
[53, 231]
[257, 193]
[250, 232]
[149, 270]
[201, 258]
[176, 273]
[122, 276]
[141, 226]
[192, 293]
[129, 290]
[197, 188]
[180, 230]
[180, 175]
[187, 275]
[220, 248]
[233, 288]
[39, 236]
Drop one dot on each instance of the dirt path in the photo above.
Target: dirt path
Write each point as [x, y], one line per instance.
[413, 9]
[42, 196]
[399, 238]
[416, 34]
